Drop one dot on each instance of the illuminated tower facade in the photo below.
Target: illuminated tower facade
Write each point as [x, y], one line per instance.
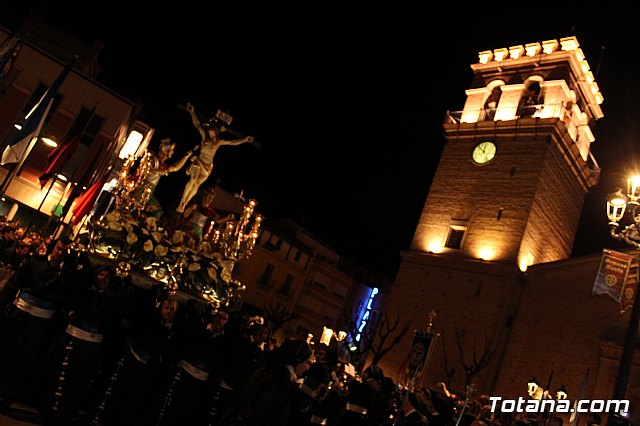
[508, 193]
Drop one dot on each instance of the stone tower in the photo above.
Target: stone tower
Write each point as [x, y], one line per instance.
[507, 194]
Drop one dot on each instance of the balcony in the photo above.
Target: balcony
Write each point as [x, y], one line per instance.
[533, 119]
[560, 111]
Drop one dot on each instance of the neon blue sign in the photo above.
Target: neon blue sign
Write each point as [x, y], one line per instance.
[366, 312]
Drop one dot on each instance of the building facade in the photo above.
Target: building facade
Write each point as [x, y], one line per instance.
[106, 118]
[491, 250]
[293, 272]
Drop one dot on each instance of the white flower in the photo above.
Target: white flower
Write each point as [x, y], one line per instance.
[113, 216]
[227, 267]
[161, 250]
[211, 296]
[205, 248]
[148, 246]
[213, 274]
[115, 226]
[151, 223]
[178, 237]
[131, 238]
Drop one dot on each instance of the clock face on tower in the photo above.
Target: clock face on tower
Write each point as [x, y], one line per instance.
[483, 152]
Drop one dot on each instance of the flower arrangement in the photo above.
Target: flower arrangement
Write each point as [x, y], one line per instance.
[168, 251]
[169, 254]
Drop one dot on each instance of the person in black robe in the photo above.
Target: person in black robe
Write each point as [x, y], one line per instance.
[267, 397]
[382, 406]
[15, 255]
[239, 357]
[33, 299]
[149, 354]
[182, 399]
[440, 408]
[309, 408]
[360, 397]
[412, 410]
[74, 360]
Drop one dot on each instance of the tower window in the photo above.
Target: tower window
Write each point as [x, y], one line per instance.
[491, 104]
[532, 100]
[454, 239]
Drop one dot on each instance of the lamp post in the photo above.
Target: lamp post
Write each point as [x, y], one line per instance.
[617, 205]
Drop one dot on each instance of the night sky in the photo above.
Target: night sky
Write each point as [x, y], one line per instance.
[346, 98]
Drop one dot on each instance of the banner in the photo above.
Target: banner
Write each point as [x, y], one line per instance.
[612, 273]
[419, 350]
[630, 287]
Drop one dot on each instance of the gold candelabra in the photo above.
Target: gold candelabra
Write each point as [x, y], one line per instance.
[235, 239]
[133, 189]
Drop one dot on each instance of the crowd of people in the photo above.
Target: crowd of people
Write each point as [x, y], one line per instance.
[85, 346]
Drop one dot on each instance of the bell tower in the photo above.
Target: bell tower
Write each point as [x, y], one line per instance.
[507, 194]
[516, 167]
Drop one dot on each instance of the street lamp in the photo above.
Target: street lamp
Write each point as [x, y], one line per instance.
[629, 234]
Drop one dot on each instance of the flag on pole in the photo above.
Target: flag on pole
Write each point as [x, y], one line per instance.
[31, 128]
[86, 201]
[612, 274]
[10, 48]
[61, 154]
[85, 180]
[9, 52]
[18, 150]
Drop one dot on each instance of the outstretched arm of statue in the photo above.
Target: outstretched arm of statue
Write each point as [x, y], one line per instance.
[224, 219]
[180, 163]
[246, 139]
[196, 121]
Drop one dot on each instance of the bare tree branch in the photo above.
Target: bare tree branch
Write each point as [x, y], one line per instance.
[478, 363]
[277, 314]
[384, 330]
[378, 337]
[448, 372]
